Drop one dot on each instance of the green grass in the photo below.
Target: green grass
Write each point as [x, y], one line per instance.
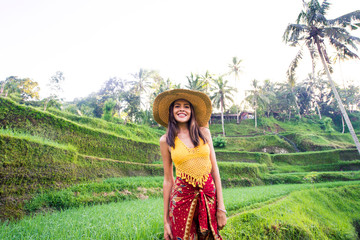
[126, 220]
[268, 143]
[92, 193]
[316, 157]
[130, 130]
[87, 140]
[236, 156]
[317, 141]
[339, 166]
[246, 128]
[301, 177]
[307, 214]
[137, 219]
[241, 199]
[303, 125]
[38, 139]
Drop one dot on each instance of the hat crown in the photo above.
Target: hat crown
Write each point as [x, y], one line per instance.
[199, 100]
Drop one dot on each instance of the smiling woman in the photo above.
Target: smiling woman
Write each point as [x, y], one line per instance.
[182, 110]
[193, 203]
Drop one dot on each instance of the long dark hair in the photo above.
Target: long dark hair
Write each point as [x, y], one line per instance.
[194, 129]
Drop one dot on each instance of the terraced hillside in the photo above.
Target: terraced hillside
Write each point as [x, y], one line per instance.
[52, 161]
[40, 150]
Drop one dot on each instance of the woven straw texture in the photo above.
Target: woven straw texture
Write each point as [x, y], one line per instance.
[200, 101]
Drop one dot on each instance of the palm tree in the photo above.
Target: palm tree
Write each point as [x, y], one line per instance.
[236, 69]
[312, 85]
[206, 79]
[257, 97]
[195, 83]
[269, 92]
[221, 94]
[313, 29]
[141, 83]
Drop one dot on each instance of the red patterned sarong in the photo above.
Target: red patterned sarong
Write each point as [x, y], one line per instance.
[193, 211]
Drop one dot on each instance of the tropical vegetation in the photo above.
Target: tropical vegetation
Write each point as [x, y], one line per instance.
[287, 152]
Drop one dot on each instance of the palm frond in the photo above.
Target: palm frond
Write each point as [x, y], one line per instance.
[324, 7]
[320, 18]
[292, 68]
[342, 35]
[343, 49]
[293, 32]
[345, 20]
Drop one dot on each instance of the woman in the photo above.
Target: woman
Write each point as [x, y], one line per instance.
[193, 203]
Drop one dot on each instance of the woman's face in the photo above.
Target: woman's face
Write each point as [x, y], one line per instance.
[182, 111]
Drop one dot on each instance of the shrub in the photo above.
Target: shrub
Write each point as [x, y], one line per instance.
[219, 142]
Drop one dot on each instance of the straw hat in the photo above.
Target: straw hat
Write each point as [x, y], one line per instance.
[200, 101]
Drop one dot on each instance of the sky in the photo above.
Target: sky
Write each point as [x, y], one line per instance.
[91, 41]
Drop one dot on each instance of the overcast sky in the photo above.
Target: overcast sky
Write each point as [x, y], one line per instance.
[91, 41]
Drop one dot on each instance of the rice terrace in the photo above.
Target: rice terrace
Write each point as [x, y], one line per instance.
[288, 152]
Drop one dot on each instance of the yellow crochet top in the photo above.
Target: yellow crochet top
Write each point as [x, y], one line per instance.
[192, 164]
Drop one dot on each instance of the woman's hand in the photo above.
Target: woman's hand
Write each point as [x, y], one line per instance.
[221, 219]
[167, 232]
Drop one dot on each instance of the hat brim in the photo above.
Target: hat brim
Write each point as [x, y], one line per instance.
[200, 101]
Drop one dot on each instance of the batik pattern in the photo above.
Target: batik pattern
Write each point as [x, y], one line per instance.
[192, 211]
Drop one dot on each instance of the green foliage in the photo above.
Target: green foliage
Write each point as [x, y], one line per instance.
[354, 118]
[326, 125]
[219, 142]
[246, 127]
[298, 177]
[241, 174]
[121, 220]
[338, 166]
[136, 219]
[264, 143]
[310, 141]
[308, 214]
[321, 157]
[311, 177]
[91, 193]
[28, 164]
[85, 139]
[130, 130]
[109, 109]
[251, 157]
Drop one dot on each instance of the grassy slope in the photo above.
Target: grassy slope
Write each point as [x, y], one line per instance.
[142, 219]
[308, 214]
[245, 137]
[130, 130]
[88, 141]
[307, 134]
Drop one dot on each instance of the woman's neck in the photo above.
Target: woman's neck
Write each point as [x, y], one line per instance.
[183, 128]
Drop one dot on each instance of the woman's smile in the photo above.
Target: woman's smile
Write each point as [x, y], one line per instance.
[182, 111]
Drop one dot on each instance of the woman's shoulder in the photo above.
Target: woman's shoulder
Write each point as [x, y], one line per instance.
[163, 138]
[205, 131]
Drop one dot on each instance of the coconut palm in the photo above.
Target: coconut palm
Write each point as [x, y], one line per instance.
[141, 82]
[236, 69]
[314, 30]
[222, 93]
[195, 83]
[206, 80]
[257, 97]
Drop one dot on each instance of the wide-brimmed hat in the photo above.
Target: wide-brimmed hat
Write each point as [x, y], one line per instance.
[200, 101]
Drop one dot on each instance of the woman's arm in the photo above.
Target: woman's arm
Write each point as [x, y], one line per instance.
[168, 183]
[220, 214]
